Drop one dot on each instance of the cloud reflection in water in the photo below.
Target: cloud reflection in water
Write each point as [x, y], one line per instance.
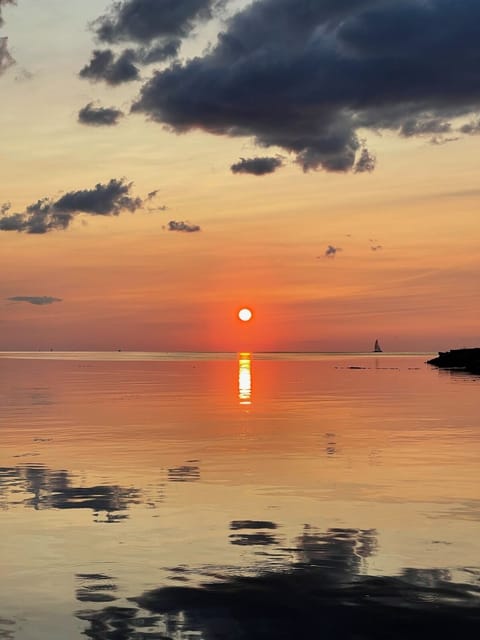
[50, 489]
[323, 592]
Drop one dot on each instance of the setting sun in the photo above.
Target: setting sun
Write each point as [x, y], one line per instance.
[245, 315]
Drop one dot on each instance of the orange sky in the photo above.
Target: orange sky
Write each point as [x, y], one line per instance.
[127, 282]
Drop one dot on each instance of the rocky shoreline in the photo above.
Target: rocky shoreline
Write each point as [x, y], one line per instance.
[462, 359]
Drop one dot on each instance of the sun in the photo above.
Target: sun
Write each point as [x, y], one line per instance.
[245, 314]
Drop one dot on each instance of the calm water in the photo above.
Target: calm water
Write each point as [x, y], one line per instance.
[199, 496]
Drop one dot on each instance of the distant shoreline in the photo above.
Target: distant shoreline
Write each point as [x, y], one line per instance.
[158, 356]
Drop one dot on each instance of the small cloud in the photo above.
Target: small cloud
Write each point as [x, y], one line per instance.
[6, 206]
[377, 247]
[151, 196]
[183, 226]
[366, 162]
[257, 166]
[99, 116]
[332, 251]
[36, 300]
[440, 140]
[114, 71]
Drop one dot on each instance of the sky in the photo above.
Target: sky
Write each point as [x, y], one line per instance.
[166, 162]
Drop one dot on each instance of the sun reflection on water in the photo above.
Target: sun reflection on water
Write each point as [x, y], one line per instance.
[245, 378]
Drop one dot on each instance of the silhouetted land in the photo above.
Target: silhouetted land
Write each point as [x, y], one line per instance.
[465, 359]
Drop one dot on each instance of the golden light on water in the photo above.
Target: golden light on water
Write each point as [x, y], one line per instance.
[245, 378]
[245, 314]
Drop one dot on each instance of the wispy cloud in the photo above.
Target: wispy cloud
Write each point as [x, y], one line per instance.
[39, 301]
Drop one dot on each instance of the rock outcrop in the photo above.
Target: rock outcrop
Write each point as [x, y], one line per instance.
[463, 359]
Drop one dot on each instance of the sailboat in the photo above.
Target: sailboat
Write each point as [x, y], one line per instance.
[377, 348]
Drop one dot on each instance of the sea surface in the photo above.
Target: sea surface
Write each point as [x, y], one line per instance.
[238, 497]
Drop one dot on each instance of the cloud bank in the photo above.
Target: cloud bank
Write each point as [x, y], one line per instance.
[36, 300]
[312, 77]
[48, 215]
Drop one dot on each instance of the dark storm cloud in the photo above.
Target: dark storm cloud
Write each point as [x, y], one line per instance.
[183, 226]
[257, 166]
[48, 215]
[99, 116]
[308, 76]
[104, 65]
[36, 300]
